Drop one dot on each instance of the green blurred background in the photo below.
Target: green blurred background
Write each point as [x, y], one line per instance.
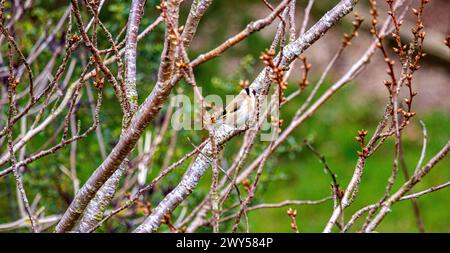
[292, 172]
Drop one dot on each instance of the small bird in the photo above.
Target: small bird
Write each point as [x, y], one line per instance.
[240, 109]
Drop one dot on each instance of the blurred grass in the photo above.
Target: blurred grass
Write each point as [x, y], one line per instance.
[293, 172]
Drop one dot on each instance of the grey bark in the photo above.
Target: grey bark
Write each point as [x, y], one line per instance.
[97, 206]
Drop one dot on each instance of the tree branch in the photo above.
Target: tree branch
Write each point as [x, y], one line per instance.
[145, 114]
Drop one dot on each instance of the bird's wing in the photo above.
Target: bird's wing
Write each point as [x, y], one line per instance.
[233, 106]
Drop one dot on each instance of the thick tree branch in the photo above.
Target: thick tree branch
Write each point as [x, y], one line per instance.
[407, 187]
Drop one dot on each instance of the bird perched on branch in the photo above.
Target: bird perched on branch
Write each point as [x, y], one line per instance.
[240, 109]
